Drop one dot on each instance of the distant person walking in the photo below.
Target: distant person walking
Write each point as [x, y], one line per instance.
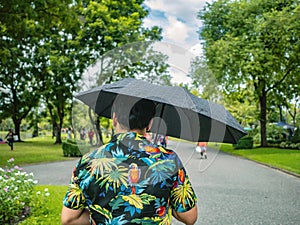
[10, 139]
[69, 133]
[91, 136]
[201, 148]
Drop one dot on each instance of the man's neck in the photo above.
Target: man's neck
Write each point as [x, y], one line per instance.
[138, 131]
[119, 130]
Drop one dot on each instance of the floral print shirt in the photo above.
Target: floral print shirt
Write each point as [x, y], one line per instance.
[130, 181]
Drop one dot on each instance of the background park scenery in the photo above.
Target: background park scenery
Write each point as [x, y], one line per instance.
[50, 50]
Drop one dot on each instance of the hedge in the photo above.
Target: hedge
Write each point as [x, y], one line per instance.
[289, 145]
[245, 142]
[74, 149]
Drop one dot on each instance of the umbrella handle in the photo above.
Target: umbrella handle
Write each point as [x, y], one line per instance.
[159, 122]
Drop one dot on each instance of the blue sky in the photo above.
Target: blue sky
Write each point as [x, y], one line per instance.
[180, 24]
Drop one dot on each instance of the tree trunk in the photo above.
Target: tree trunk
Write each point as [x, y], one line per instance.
[263, 117]
[58, 135]
[17, 130]
[35, 132]
[280, 113]
[99, 133]
[58, 131]
[54, 128]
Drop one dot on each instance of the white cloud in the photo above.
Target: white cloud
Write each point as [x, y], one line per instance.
[180, 24]
[178, 19]
[177, 31]
[185, 10]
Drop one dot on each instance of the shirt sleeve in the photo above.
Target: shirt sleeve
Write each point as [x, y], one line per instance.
[74, 198]
[183, 197]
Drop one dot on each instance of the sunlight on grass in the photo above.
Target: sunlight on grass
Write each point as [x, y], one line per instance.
[35, 150]
[287, 159]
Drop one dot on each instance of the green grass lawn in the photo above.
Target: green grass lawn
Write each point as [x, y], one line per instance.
[286, 159]
[49, 209]
[35, 150]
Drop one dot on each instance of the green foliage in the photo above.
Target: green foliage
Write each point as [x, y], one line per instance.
[75, 149]
[117, 45]
[275, 134]
[289, 145]
[47, 207]
[296, 136]
[16, 188]
[46, 46]
[245, 142]
[25, 30]
[254, 44]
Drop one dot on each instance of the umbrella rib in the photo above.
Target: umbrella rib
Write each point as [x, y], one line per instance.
[159, 122]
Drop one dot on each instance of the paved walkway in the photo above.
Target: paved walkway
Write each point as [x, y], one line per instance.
[231, 190]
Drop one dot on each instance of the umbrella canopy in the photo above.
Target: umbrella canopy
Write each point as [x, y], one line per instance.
[178, 114]
[285, 125]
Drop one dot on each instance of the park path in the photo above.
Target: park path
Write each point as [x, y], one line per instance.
[231, 190]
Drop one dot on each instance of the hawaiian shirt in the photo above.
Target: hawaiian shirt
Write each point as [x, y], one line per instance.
[130, 181]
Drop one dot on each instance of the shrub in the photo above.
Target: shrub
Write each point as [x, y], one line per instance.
[293, 146]
[74, 149]
[283, 144]
[245, 142]
[256, 138]
[296, 136]
[275, 134]
[16, 187]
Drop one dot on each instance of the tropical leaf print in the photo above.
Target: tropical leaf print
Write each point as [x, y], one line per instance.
[121, 137]
[154, 220]
[134, 200]
[75, 196]
[183, 194]
[138, 201]
[87, 157]
[101, 165]
[146, 199]
[117, 221]
[102, 211]
[162, 165]
[115, 178]
[116, 203]
[125, 175]
[161, 171]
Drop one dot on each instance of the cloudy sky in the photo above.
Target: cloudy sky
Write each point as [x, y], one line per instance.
[178, 18]
[180, 24]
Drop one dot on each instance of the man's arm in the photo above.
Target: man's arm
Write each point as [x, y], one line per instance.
[189, 217]
[75, 217]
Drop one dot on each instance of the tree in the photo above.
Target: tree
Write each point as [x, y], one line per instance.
[240, 103]
[59, 72]
[23, 26]
[107, 27]
[252, 43]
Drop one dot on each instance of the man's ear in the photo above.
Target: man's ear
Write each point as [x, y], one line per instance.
[114, 120]
[149, 125]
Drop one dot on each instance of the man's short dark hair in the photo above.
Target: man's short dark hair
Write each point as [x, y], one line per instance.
[133, 113]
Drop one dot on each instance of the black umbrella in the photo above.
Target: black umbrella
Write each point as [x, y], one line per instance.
[179, 113]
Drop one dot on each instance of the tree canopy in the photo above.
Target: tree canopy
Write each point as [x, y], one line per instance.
[46, 45]
[253, 44]
[23, 28]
